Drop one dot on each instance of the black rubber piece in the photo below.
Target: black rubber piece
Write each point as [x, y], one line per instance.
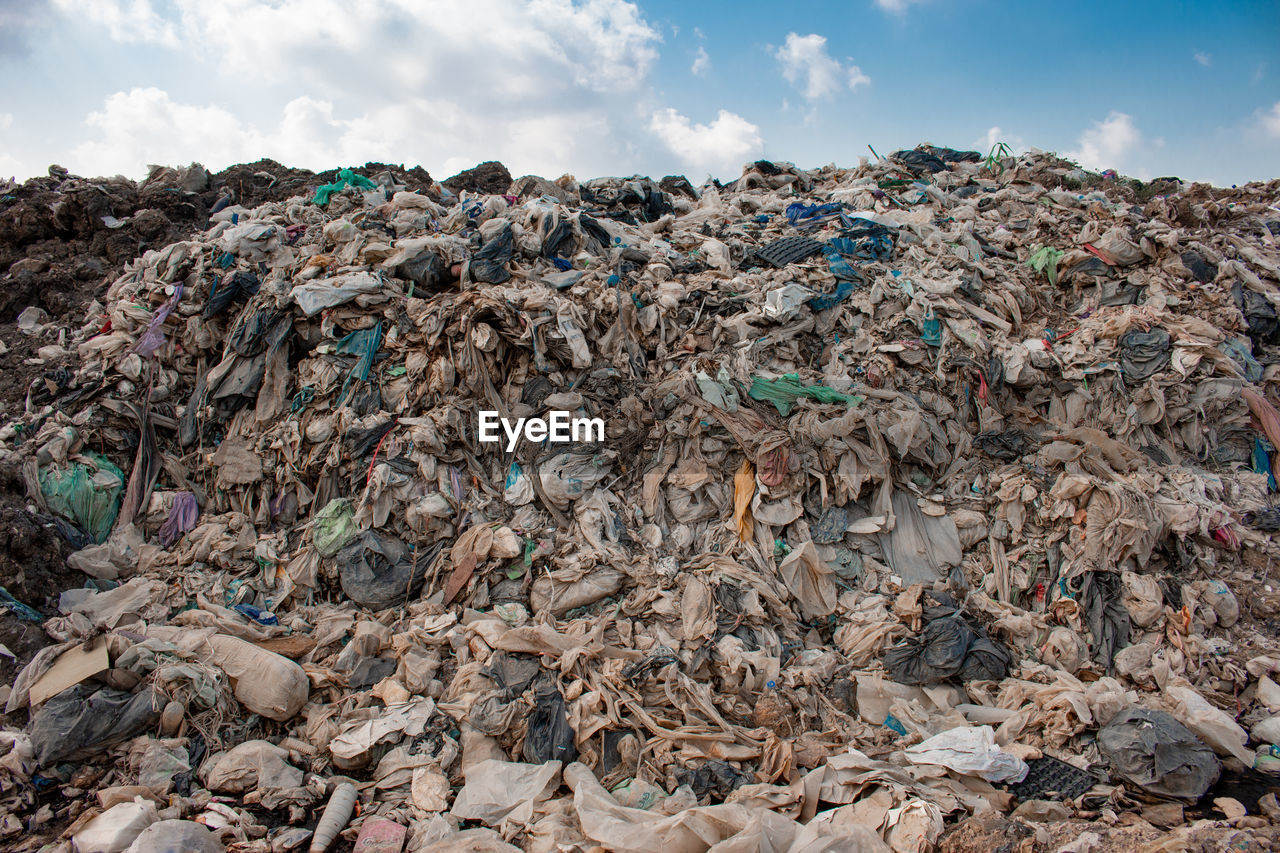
[1051, 779]
[788, 250]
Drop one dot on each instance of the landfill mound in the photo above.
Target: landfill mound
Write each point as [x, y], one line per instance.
[931, 507]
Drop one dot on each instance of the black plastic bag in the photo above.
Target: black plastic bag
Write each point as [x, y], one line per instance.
[512, 671]
[1259, 313]
[649, 664]
[489, 264]
[938, 654]
[919, 161]
[549, 736]
[558, 241]
[717, 778]
[426, 270]
[1200, 268]
[1008, 445]
[378, 572]
[985, 661]
[237, 287]
[594, 230]
[949, 646]
[1144, 354]
[1158, 754]
[360, 442]
[1105, 614]
[79, 722]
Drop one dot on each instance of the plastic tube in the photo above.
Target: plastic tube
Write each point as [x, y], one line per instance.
[335, 817]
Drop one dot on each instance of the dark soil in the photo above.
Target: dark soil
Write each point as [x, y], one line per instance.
[489, 177]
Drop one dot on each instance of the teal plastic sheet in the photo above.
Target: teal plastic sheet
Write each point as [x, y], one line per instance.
[785, 390]
[85, 493]
[346, 178]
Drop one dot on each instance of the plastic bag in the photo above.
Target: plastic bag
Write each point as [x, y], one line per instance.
[568, 476]
[549, 737]
[1158, 754]
[182, 518]
[1144, 354]
[950, 646]
[489, 264]
[345, 178]
[313, 297]
[254, 764]
[115, 830]
[518, 488]
[500, 791]
[160, 764]
[378, 571]
[1214, 726]
[176, 836]
[334, 527]
[971, 751]
[86, 493]
[266, 683]
[785, 390]
[79, 722]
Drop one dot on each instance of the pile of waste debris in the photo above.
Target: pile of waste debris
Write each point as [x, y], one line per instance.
[922, 504]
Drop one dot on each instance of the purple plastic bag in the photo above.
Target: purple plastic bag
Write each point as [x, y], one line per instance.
[153, 338]
[182, 517]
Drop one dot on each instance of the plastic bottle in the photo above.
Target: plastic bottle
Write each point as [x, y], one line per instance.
[335, 817]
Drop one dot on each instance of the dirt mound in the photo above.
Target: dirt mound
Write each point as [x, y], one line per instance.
[489, 177]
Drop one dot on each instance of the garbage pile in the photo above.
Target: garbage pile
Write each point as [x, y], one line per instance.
[892, 495]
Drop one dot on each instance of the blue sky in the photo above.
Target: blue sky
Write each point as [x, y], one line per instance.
[610, 87]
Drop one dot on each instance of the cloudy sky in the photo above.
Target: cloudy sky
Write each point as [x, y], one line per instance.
[597, 87]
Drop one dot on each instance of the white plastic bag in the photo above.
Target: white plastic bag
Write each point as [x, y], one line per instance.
[116, 828]
[972, 752]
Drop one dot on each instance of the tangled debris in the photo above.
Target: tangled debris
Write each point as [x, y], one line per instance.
[922, 490]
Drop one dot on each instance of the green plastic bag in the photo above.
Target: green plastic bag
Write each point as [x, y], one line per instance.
[1045, 260]
[785, 390]
[86, 493]
[345, 177]
[334, 527]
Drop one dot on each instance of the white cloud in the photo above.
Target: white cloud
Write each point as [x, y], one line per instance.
[721, 146]
[701, 62]
[1108, 144]
[10, 166]
[600, 45]
[144, 126]
[123, 20]
[807, 66]
[997, 134]
[1204, 59]
[573, 75]
[1270, 121]
[896, 7]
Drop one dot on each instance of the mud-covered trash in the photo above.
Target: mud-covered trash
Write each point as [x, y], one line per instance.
[1155, 752]
[879, 483]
